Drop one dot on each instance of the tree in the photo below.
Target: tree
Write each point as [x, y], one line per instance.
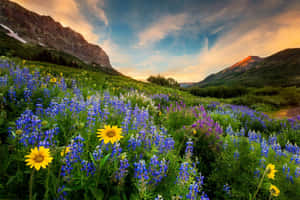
[160, 80]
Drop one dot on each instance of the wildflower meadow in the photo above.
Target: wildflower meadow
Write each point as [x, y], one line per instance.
[74, 134]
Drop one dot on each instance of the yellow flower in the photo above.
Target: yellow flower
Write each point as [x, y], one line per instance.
[159, 113]
[271, 171]
[109, 134]
[61, 74]
[53, 80]
[44, 123]
[43, 85]
[19, 132]
[194, 131]
[65, 151]
[38, 157]
[274, 191]
[123, 156]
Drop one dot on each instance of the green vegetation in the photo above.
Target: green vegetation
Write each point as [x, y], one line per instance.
[160, 80]
[171, 147]
[262, 99]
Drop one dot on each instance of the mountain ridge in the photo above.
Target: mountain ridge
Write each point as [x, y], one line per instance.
[45, 31]
[279, 69]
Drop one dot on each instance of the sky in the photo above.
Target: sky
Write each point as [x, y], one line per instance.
[184, 39]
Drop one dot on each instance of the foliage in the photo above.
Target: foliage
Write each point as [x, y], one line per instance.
[171, 146]
[160, 80]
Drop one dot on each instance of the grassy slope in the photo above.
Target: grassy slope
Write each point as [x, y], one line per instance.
[119, 84]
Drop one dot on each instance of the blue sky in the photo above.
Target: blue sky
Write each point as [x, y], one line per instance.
[184, 39]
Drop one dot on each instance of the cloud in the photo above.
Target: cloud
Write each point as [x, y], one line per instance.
[66, 12]
[117, 56]
[158, 30]
[267, 37]
[98, 11]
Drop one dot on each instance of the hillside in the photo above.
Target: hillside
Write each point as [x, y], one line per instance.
[279, 69]
[9, 46]
[44, 31]
[67, 113]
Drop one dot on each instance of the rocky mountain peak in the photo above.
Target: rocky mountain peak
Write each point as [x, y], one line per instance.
[43, 30]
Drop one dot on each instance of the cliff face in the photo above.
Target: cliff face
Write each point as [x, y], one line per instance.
[43, 30]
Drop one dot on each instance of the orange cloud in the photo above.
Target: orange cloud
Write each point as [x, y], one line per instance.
[268, 37]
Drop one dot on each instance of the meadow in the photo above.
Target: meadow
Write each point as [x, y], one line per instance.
[69, 133]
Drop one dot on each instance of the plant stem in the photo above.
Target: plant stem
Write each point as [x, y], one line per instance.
[98, 174]
[259, 185]
[47, 184]
[270, 197]
[30, 184]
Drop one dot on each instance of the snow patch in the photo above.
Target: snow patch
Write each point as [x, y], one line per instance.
[42, 44]
[13, 34]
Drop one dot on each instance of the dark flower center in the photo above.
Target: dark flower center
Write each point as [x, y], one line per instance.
[39, 158]
[111, 133]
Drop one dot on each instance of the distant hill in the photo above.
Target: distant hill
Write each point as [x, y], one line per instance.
[279, 69]
[29, 27]
[186, 84]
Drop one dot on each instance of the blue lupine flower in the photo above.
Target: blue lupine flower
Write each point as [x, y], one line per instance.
[297, 172]
[74, 156]
[140, 171]
[226, 188]
[88, 167]
[62, 194]
[186, 171]
[189, 148]
[157, 169]
[236, 155]
[122, 171]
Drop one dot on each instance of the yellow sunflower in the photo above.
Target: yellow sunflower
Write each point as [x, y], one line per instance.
[109, 134]
[38, 157]
[271, 171]
[65, 151]
[274, 191]
[53, 80]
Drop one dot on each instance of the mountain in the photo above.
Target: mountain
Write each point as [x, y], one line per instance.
[279, 69]
[44, 31]
[244, 64]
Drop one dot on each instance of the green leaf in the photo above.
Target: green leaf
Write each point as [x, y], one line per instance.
[4, 158]
[66, 190]
[103, 161]
[11, 179]
[92, 158]
[124, 196]
[97, 193]
[115, 198]
[133, 196]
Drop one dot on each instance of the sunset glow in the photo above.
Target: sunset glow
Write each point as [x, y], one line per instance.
[187, 40]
